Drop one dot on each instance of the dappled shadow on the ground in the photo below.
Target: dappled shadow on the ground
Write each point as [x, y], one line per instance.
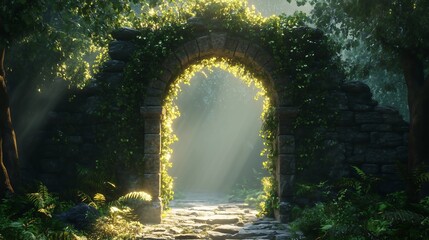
[211, 216]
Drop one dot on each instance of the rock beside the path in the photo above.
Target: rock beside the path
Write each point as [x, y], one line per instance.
[218, 219]
[249, 234]
[231, 229]
[218, 235]
[176, 230]
[189, 236]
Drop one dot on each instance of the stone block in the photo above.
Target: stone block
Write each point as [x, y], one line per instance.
[151, 112]
[241, 49]
[347, 134]
[386, 139]
[386, 110]
[262, 58]
[152, 101]
[360, 137]
[218, 41]
[286, 164]
[285, 100]
[112, 80]
[286, 144]
[286, 186]
[406, 138]
[403, 127]
[230, 46]
[271, 67]
[153, 92]
[335, 153]
[181, 55]
[125, 34]
[376, 127]
[359, 149]
[346, 118]
[381, 156]
[287, 113]
[370, 168]
[158, 84]
[166, 76]
[173, 64]
[152, 163]
[151, 184]
[358, 107]
[402, 153]
[192, 50]
[152, 143]
[151, 212]
[252, 51]
[286, 128]
[393, 118]
[121, 50]
[389, 169]
[368, 117]
[355, 87]
[113, 66]
[358, 158]
[152, 126]
[205, 46]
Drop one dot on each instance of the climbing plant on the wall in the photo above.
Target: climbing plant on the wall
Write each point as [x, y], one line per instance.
[302, 54]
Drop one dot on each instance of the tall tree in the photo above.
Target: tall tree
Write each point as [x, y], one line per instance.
[71, 30]
[401, 28]
[16, 18]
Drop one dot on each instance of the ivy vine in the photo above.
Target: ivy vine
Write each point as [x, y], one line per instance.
[302, 53]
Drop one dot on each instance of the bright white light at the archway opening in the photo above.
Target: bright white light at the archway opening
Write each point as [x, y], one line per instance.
[218, 133]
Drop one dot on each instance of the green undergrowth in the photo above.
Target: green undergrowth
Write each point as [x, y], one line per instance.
[352, 209]
[36, 215]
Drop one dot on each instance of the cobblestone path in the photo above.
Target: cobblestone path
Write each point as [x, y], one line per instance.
[202, 217]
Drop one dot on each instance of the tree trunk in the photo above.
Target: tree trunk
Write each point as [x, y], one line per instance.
[418, 98]
[8, 148]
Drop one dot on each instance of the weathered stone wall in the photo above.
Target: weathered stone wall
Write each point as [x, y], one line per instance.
[366, 135]
[371, 137]
[66, 141]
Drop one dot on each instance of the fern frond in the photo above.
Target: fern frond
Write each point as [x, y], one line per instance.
[135, 196]
[360, 173]
[404, 216]
[99, 199]
[84, 197]
[36, 199]
[349, 183]
[423, 178]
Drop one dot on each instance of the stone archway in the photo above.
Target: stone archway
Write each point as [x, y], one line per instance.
[226, 46]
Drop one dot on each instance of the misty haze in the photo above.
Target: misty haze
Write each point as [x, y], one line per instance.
[219, 144]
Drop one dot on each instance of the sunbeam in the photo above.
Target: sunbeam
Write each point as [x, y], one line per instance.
[218, 145]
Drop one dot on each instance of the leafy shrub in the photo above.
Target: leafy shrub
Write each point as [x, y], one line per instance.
[356, 211]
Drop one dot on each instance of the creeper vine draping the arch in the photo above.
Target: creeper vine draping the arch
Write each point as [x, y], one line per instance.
[292, 62]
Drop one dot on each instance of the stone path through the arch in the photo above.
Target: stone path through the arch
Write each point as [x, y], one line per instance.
[212, 217]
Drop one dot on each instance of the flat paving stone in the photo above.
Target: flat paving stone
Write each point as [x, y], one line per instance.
[208, 218]
[232, 229]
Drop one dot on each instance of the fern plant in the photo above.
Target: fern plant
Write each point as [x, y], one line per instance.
[358, 212]
[30, 216]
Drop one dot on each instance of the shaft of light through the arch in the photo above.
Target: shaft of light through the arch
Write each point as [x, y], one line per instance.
[219, 144]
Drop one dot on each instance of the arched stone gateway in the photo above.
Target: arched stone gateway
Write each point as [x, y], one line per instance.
[224, 45]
